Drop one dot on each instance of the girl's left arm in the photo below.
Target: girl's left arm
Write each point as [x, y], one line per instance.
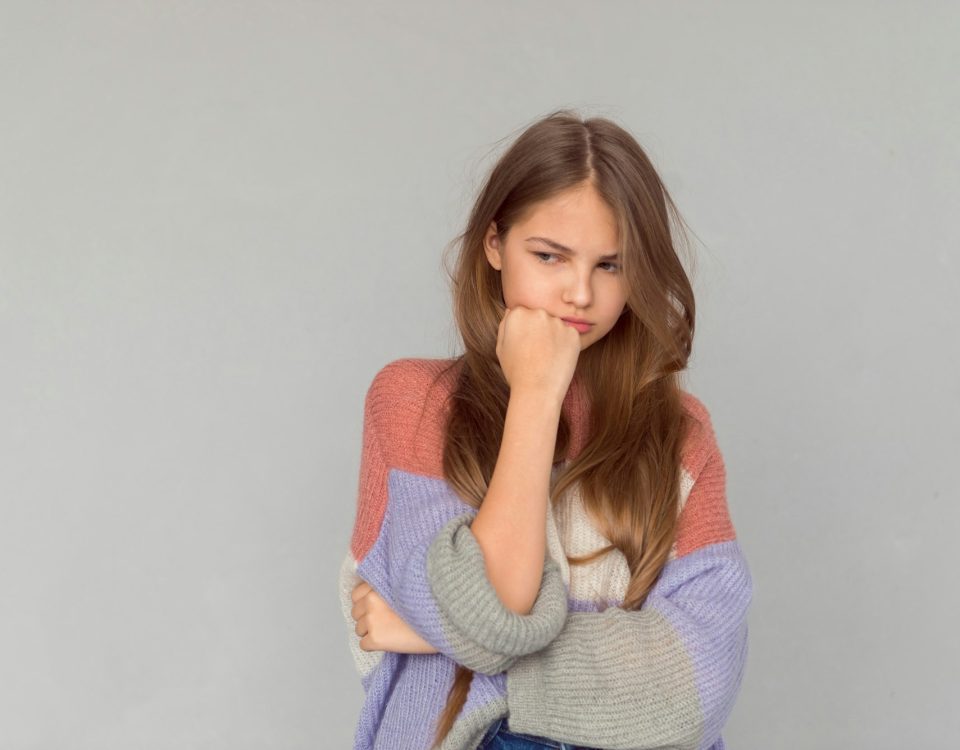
[663, 676]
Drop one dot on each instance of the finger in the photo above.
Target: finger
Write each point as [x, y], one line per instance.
[360, 628]
[360, 590]
[358, 610]
[368, 643]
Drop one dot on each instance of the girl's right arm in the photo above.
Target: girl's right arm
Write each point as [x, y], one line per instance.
[510, 526]
[538, 355]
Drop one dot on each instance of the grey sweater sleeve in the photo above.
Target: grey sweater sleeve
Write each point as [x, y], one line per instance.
[663, 676]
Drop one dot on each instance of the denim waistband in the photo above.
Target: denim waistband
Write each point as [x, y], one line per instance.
[506, 737]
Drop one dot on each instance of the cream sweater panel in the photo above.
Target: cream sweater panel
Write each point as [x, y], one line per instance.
[571, 532]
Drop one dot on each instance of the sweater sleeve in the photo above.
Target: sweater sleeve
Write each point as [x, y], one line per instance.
[663, 676]
[413, 544]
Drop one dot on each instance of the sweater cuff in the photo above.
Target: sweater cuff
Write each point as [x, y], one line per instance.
[475, 621]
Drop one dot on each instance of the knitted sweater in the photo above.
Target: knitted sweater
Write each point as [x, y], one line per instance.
[573, 669]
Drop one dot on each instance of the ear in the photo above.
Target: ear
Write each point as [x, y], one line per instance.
[491, 246]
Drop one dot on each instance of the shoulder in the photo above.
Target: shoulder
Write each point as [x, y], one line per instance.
[404, 387]
[406, 404]
[700, 443]
[704, 513]
[405, 377]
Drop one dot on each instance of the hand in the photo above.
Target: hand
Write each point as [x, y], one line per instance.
[380, 628]
[537, 351]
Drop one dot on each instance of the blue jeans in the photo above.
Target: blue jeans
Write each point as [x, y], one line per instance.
[499, 737]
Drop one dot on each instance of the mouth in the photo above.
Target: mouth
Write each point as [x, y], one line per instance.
[581, 325]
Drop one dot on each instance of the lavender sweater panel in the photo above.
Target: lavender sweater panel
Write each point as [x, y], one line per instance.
[402, 704]
[408, 720]
[417, 508]
[714, 637]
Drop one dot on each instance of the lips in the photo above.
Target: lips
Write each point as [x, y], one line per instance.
[581, 325]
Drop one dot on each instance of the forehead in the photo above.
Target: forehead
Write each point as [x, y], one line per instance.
[578, 217]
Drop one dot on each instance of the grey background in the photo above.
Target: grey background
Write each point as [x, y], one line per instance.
[219, 220]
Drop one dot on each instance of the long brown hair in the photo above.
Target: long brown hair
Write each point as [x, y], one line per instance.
[629, 469]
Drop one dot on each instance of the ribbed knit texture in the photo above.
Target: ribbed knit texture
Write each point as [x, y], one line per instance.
[663, 676]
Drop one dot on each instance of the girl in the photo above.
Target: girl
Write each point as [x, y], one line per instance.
[542, 555]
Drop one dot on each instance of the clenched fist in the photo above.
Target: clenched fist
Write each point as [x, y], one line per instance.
[537, 351]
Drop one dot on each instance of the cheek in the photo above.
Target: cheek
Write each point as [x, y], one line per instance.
[520, 291]
[508, 291]
[615, 311]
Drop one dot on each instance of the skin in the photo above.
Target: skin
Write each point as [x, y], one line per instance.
[534, 275]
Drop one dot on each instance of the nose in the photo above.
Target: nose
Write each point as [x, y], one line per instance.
[578, 291]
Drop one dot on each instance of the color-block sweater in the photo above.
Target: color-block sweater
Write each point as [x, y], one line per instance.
[574, 669]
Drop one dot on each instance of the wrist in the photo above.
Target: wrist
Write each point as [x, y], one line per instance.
[537, 399]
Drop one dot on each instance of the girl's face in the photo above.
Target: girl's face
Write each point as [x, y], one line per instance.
[564, 258]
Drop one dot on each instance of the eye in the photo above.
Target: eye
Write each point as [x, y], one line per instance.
[540, 257]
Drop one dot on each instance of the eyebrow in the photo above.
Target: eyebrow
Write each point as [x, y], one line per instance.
[557, 246]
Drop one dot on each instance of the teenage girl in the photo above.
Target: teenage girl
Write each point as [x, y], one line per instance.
[543, 556]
